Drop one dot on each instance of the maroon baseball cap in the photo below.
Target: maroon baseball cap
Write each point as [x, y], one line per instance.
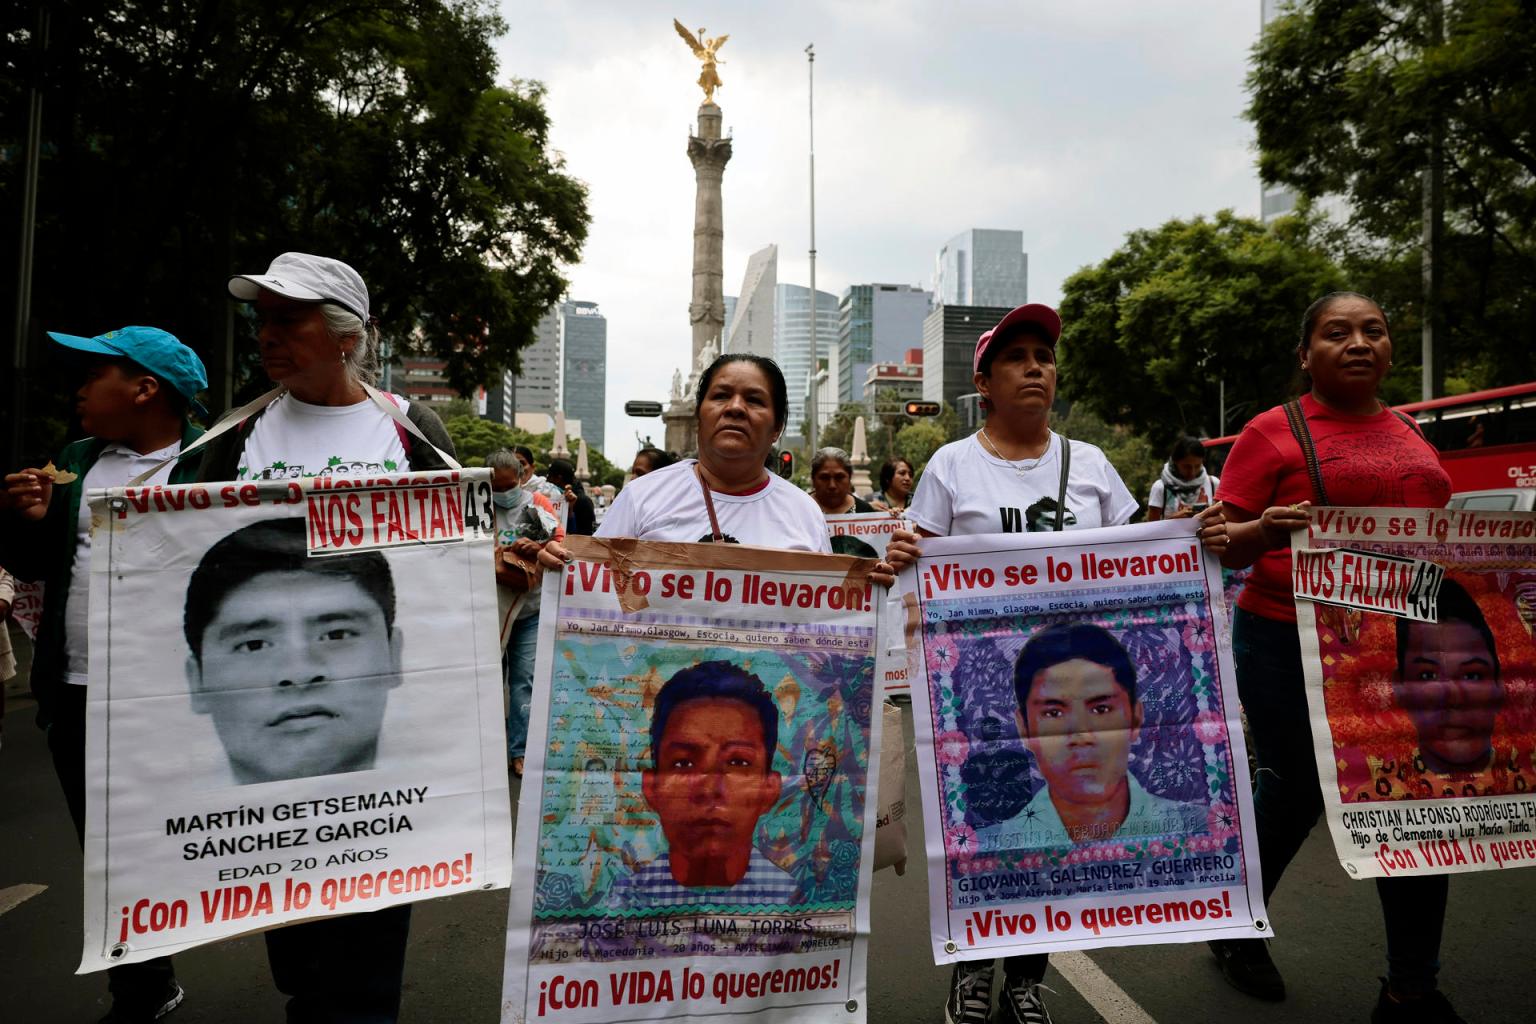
[1036, 313]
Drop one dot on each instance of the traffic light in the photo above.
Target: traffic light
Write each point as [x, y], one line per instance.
[923, 408]
[786, 464]
[639, 408]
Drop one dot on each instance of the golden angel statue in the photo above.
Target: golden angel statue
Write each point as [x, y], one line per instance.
[709, 79]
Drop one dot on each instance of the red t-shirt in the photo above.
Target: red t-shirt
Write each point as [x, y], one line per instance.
[1373, 461]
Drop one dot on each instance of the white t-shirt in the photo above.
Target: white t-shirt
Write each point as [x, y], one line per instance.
[117, 465]
[966, 490]
[293, 439]
[1159, 499]
[668, 504]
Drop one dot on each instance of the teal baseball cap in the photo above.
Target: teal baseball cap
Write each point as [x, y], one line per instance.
[161, 353]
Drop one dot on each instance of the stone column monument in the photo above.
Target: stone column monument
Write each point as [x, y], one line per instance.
[709, 153]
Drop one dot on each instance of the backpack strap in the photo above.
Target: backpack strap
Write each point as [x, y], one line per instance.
[1303, 435]
[1061, 493]
[1413, 424]
[401, 432]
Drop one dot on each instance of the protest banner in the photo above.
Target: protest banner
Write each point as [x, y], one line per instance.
[1084, 779]
[1417, 639]
[295, 706]
[696, 830]
[864, 534]
[27, 608]
[867, 535]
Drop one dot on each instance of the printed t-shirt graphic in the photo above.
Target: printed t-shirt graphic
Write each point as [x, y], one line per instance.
[293, 439]
[967, 490]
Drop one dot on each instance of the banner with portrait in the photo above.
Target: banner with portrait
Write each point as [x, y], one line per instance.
[696, 830]
[295, 707]
[1418, 636]
[1084, 777]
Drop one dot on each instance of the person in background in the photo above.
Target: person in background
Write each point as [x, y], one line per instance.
[895, 486]
[1184, 488]
[740, 407]
[138, 385]
[1012, 476]
[318, 341]
[1365, 455]
[532, 481]
[525, 522]
[648, 460]
[582, 517]
[832, 483]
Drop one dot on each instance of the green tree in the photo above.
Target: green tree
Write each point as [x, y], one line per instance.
[1151, 332]
[183, 142]
[1136, 459]
[838, 433]
[917, 443]
[475, 438]
[1349, 96]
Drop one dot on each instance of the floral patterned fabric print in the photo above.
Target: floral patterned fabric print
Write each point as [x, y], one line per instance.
[1180, 755]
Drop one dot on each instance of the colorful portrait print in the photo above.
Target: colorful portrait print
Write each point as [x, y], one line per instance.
[1065, 739]
[1421, 710]
[714, 730]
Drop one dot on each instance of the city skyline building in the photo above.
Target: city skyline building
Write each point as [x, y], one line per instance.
[537, 386]
[982, 267]
[901, 382]
[792, 344]
[751, 329]
[949, 348]
[875, 323]
[501, 400]
[584, 341]
[423, 379]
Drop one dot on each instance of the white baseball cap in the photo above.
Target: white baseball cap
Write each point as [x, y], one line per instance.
[298, 275]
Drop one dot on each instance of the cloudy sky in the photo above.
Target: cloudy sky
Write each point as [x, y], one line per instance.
[1074, 121]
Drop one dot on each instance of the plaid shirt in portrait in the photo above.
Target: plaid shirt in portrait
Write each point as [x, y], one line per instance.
[652, 885]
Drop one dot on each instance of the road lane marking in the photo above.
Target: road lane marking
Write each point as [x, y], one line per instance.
[16, 895]
[1099, 990]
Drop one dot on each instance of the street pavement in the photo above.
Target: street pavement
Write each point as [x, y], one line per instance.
[1330, 947]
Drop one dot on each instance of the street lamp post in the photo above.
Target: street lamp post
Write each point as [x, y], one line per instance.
[810, 66]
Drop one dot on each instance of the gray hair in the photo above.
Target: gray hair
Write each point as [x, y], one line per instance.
[504, 458]
[363, 361]
[826, 455]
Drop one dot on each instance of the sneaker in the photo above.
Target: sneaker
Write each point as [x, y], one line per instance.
[970, 993]
[1430, 1008]
[1246, 965]
[170, 999]
[1023, 1003]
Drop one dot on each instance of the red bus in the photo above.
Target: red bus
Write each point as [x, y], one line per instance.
[1487, 439]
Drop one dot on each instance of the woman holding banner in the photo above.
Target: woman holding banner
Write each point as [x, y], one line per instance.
[726, 495]
[319, 345]
[1015, 475]
[1336, 445]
